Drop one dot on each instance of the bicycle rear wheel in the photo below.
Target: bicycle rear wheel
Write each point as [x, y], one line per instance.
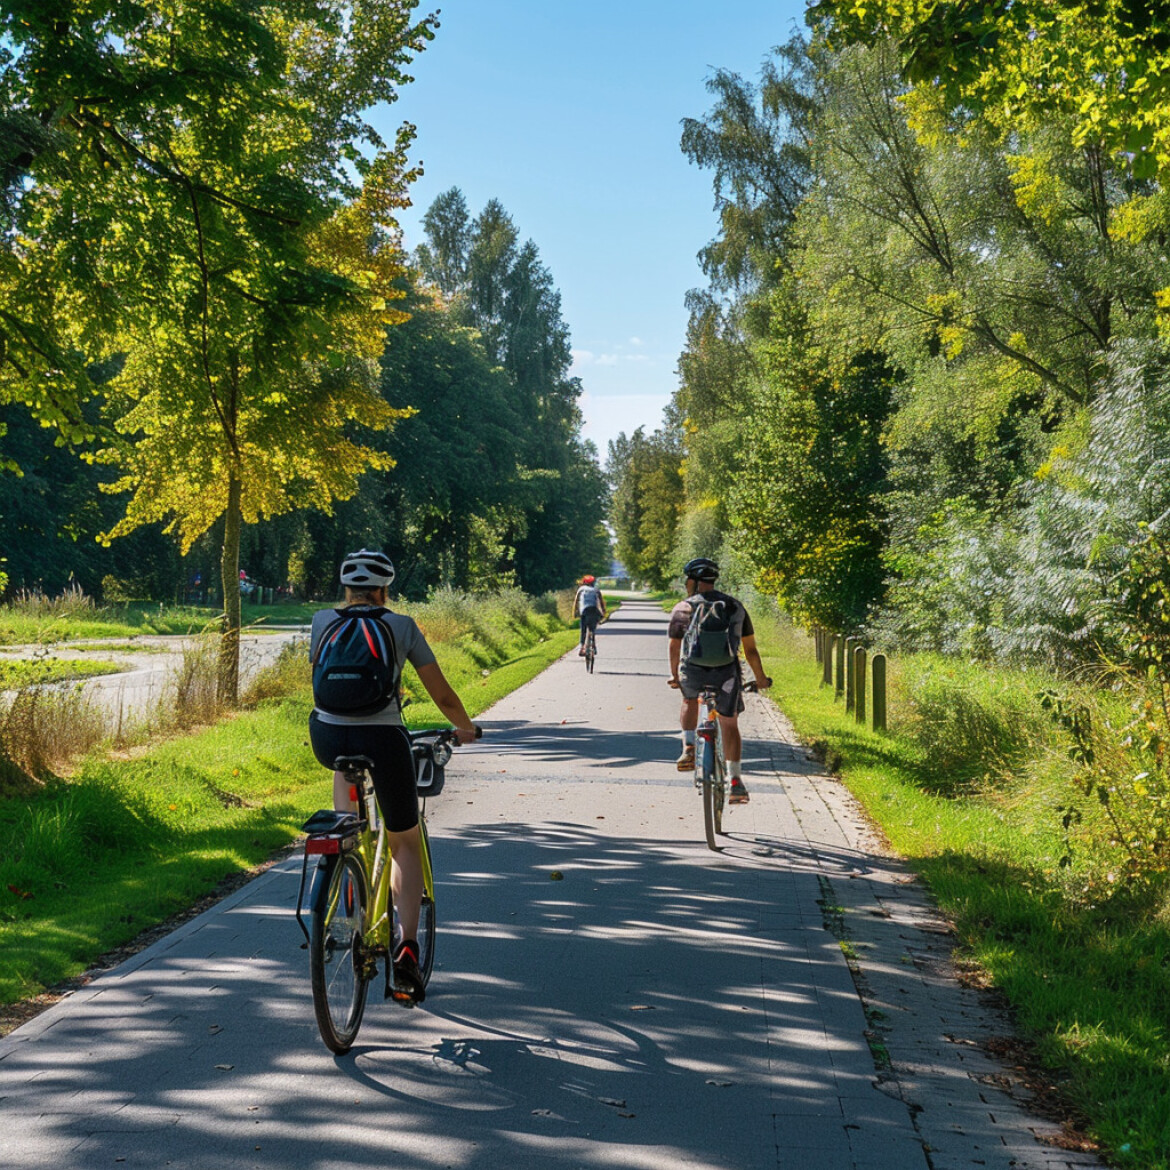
[426, 918]
[711, 764]
[338, 966]
[590, 652]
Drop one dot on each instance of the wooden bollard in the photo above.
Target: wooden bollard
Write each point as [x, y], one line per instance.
[879, 692]
[819, 643]
[850, 645]
[859, 684]
[830, 643]
[839, 664]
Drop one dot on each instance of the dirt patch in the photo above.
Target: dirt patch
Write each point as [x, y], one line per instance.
[14, 1014]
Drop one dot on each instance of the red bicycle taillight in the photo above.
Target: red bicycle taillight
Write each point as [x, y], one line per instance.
[353, 793]
[323, 845]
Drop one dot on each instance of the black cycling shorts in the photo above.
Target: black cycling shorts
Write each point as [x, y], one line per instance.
[693, 680]
[388, 746]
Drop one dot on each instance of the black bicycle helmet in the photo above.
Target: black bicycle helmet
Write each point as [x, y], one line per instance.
[367, 569]
[701, 569]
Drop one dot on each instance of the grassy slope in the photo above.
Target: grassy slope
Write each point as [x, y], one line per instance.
[135, 619]
[88, 864]
[14, 675]
[1090, 985]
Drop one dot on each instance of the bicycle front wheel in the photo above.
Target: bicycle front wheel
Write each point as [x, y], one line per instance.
[426, 917]
[338, 966]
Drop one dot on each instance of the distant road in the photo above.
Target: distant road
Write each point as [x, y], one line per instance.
[148, 671]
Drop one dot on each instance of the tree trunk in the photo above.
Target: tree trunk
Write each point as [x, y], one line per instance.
[229, 647]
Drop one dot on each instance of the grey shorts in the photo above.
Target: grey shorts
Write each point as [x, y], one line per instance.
[726, 680]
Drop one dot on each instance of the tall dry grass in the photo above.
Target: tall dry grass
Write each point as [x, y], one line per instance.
[71, 602]
[43, 728]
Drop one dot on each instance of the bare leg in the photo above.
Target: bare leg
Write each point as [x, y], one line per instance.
[732, 742]
[688, 718]
[406, 878]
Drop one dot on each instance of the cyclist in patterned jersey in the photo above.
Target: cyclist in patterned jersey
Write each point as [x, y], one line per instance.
[701, 575]
[366, 576]
[589, 605]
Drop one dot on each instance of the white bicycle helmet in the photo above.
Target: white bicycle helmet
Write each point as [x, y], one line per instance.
[366, 569]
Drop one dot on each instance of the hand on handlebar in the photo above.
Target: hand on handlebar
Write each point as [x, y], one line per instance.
[762, 684]
[465, 735]
[673, 682]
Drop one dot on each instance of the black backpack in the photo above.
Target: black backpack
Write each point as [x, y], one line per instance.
[355, 669]
[707, 641]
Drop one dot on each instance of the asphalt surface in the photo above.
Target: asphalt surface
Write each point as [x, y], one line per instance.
[657, 1005]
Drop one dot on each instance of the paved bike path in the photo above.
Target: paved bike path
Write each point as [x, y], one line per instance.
[654, 1005]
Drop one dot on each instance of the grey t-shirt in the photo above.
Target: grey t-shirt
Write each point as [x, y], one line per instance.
[409, 643]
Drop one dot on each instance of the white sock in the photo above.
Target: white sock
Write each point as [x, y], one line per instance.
[735, 769]
[688, 738]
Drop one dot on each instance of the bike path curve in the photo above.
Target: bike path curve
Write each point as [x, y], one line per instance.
[608, 992]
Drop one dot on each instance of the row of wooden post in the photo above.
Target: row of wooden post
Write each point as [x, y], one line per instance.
[844, 666]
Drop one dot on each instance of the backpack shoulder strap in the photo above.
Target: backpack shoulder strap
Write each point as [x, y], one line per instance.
[326, 632]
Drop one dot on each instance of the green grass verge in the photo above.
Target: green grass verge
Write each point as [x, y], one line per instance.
[1089, 983]
[87, 864]
[65, 624]
[17, 674]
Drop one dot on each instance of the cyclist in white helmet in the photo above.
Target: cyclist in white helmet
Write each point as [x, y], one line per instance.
[366, 576]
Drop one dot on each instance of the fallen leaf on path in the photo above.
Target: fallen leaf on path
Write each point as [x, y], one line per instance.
[721, 1084]
[225, 1067]
[542, 1113]
[556, 876]
[641, 1007]
[627, 1115]
[612, 1101]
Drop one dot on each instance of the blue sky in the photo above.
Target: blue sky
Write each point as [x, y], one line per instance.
[569, 113]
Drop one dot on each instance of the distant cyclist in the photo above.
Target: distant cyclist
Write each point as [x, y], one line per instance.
[380, 735]
[589, 606]
[711, 659]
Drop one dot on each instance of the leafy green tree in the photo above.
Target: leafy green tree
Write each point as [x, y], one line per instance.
[204, 209]
[498, 286]
[807, 507]
[646, 475]
[755, 141]
[51, 512]
[457, 458]
[1022, 62]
